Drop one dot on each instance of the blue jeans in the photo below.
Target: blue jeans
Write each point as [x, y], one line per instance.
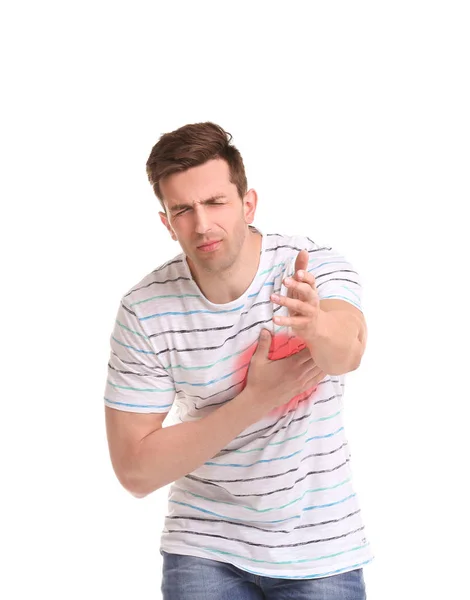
[194, 578]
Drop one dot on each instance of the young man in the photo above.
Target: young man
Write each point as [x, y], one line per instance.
[261, 503]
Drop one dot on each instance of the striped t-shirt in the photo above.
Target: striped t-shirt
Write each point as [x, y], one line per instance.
[278, 500]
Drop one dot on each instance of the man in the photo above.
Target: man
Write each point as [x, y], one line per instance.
[261, 503]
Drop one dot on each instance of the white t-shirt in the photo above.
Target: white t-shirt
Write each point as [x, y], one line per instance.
[278, 500]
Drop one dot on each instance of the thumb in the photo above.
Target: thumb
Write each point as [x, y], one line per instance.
[301, 262]
[264, 344]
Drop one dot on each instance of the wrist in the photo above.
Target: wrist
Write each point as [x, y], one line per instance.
[251, 403]
[321, 331]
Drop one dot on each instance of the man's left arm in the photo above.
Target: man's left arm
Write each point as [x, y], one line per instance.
[339, 342]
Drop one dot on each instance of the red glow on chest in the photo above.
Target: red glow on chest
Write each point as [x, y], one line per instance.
[281, 347]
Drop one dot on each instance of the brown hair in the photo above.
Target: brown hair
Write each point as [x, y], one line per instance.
[190, 146]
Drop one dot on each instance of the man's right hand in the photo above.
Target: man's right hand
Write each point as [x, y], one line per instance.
[275, 382]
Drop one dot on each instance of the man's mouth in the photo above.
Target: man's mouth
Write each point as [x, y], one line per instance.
[209, 246]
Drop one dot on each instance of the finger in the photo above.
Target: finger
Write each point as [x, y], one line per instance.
[299, 286]
[303, 356]
[264, 343]
[298, 306]
[317, 375]
[304, 290]
[309, 386]
[301, 262]
[307, 278]
[310, 371]
[295, 322]
[314, 369]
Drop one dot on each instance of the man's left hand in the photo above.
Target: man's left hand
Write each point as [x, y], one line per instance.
[302, 301]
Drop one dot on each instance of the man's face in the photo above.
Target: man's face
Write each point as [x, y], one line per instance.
[206, 215]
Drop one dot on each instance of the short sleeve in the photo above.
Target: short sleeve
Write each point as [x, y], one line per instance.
[137, 381]
[335, 276]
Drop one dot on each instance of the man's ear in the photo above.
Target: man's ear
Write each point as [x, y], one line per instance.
[250, 200]
[164, 220]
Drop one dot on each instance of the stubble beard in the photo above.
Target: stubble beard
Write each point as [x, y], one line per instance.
[224, 263]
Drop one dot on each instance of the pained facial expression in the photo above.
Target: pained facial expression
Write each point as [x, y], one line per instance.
[206, 215]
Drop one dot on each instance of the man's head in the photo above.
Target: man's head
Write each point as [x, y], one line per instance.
[200, 180]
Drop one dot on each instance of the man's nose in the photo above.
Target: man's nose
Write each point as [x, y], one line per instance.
[202, 223]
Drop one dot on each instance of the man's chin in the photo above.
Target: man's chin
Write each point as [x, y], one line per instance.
[211, 264]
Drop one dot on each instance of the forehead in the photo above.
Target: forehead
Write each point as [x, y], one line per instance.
[198, 183]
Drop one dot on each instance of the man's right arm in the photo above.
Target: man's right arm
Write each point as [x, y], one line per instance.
[147, 456]
[168, 453]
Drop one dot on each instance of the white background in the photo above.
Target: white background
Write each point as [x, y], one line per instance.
[353, 121]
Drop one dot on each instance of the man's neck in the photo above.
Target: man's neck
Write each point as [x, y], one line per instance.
[232, 283]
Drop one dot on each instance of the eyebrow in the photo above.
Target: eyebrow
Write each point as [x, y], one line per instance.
[178, 207]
